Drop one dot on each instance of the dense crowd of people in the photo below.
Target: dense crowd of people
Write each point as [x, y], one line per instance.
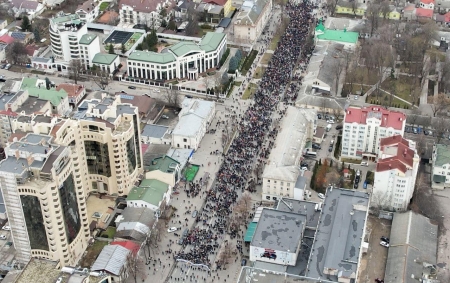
[249, 146]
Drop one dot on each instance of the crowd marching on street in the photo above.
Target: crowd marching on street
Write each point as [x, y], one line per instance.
[250, 144]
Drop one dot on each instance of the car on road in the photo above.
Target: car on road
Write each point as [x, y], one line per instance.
[304, 164]
[244, 262]
[7, 66]
[2, 237]
[338, 127]
[364, 163]
[415, 131]
[194, 214]
[384, 239]
[164, 116]
[319, 116]
[321, 196]
[188, 96]
[2, 66]
[330, 149]
[356, 97]
[330, 121]
[384, 244]
[316, 146]
[7, 228]
[132, 87]
[304, 168]
[355, 186]
[172, 229]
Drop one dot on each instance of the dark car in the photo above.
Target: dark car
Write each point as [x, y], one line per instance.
[408, 129]
[330, 149]
[319, 116]
[355, 186]
[304, 164]
[383, 238]
[244, 262]
[357, 179]
[185, 232]
[132, 87]
[338, 127]
[316, 146]
[188, 96]
[2, 66]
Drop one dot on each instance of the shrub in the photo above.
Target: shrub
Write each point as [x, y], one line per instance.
[233, 65]
[224, 57]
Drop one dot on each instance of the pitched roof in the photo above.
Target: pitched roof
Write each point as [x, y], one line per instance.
[6, 39]
[111, 259]
[129, 245]
[393, 140]
[217, 2]
[442, 155]
[105, 59]
[211, 41]
[73, 90]
[144, 103]
[87, 39]
[401, 157]
[30, 5]
[87, 6]
[183, 48]
[422, 12]
[427, 1]
[143, 6]
[54, 96]
[413, 242]
[389, 118]
[152, 57]
[150, 190]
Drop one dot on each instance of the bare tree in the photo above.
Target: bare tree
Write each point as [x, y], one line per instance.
[439, 104]
[226, 253]
[99, 77]
[338, 68]
[440, 126]
[412, 118]
[192, 17]
[76, 68]
[135, 266]
[380, 201]
[172, 97]
[331, 6]
[16, 53]
[243, 207]
[373, 16]
[421, 145]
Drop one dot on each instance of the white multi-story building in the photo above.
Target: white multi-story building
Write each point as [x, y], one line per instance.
[88, 11]
[283, 168]
[195, 117]
[45, 203]
[440, 175]
[395, 175]
[365, 126]
[149, 13]
[251, 20]
[70, 40]
[183, 60]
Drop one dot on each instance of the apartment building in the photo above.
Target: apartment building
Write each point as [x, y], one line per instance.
[45, 204]
[395, 174]
[364, 127]
[183, 60]
[88, 11]
[440, 177]
[251, 20]
[283, 168]
[148, 13]
[70, 40]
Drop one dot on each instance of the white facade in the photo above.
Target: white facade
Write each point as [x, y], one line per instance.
[106, 62]
[46, 207]
[250, 24]
[364, 127]
[88, 11]
[440, 177]
[184, 59]
[195, 117]
[395, 175]
[281, 174]
[147, 13]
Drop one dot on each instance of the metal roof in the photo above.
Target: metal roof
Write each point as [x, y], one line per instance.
[154, 131]
[225, 22]
[111, 259]
[250, 231]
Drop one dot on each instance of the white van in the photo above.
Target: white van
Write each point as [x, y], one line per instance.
[364, 163]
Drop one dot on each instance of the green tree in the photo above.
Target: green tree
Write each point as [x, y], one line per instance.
[225, 78]
[124, 50]
[233, 65]
[164, 23]
[163, 13]
[238, 55]
[26, 25]
[331, 163]
[37, 35]
[111, 49]
[172, 25]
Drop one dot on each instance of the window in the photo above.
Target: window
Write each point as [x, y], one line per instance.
[185, 140]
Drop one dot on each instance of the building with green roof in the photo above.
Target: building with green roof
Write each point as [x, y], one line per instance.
[164, 169]
[37, 88]
[440, 176]
[87, 39]
[183, 60]
[106, 62]
[151, 193]
[340, 36]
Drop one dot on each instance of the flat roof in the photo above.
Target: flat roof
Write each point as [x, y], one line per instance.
[264, 274]
[154, 131]
[152, 57]
[164, 163]
[302, 207]
[279, 230]
[150, 190]
[339, 234]
[39, 271]
[442, 154]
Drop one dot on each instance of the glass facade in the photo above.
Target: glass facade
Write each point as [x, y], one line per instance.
[68, 197]
[97, 158]
[31, 207]
[131, 154]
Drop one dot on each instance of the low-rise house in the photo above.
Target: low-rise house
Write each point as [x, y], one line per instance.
[427, 4]
[23, 37]
[106, 62]
[129, 245]
[225, 4]
[150, 193]
[156, 134]
[134, 223]
[75, 92]
[423, 13]
[88, 11]
[113, 261]
[440, 175]
[31, 8]
[149, 13]
[318, 136]
[164, 169]
[251, 19]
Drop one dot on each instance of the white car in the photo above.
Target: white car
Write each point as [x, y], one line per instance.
[2, 237]
[172, 229]
[7, 228]
[156, 90]
[384, 244]
[330, 121]
[356, 97]
[304, 168]
[321, 196]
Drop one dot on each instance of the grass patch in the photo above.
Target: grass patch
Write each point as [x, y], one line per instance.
[259, 72]
[266, 58]
[349, 160]
[399, 87]
[364, 76]
[274, 43]
[384, 99]
[91, 253]
[347, 89]
[108, 233]
[237, 83]
[248, 62]
[250, 91]
[104, 6]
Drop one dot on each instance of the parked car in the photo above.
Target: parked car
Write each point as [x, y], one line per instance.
[408, 129]
[355, 185]
[194, 214]
[7, 66]
[321, 196]
[304, 164]
[304, 168]
[316, 146]
[415, 131]
[132, 87]
[185, 232]
[172, 229]
[364, 163]
[338, 127]
[384, 244]
[319, 116]
[330, 121]
[330, 149]
[2, 66]
[188, 96]
[384, 239]
[425, 132]
[356, 97]
[7, 228]
[164, 116]
[244, 262]
[2, 237]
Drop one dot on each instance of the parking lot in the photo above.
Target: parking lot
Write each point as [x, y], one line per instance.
[373, 263]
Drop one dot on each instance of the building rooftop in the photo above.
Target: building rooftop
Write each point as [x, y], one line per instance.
[389, 119]
[71, 19]
[442, 155]
[211, 41]
[144, 103]
[183, 48]
[153, 57]
[39, 271]
[130, 245]
[338, 240]
[397, 155]
[154, 131]
[413, 244]
[87, 39]
[72, 90]
[36, 88]
[295, 130]
[111, 259]
[164, 163]
[336, 35]
[105, 59]
[192, 116]
[150, 190]
[279, 230]
[301, 207]
[266, 275]
[250, 12]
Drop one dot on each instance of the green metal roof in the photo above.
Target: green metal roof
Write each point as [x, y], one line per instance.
[339, 36]
[211, 41]
[52, 95]
[105, 59]
[250, 231]
[150, 190]
[320, 26]
[87, 39]
[183, 48]
[152, 57]
[164, 163]
[442, 155]
[74, 18]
